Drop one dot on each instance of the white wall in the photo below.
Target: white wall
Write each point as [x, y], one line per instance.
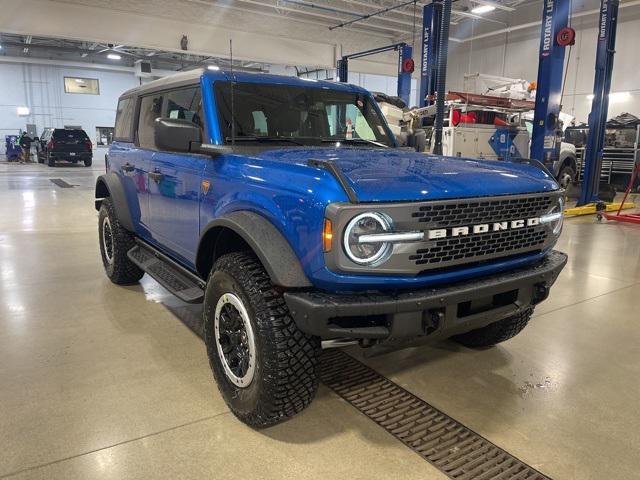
[382, 83]
[518, 58]
[41, 88]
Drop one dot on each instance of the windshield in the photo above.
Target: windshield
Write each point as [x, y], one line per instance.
[299, 115]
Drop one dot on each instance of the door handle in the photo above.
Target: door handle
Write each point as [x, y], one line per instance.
[127, 167]
[156, 176]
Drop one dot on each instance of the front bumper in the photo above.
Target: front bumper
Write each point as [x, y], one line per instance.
[434, 312]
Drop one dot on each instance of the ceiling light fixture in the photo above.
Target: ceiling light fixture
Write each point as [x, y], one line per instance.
[215, 68]
[480, 9]
[23, 111]
[114, 56]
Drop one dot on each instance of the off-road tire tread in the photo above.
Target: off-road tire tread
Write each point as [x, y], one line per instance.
[123, 271]
[289, 357]
[496, 332]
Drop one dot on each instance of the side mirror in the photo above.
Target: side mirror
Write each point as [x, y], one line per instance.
[176, 135]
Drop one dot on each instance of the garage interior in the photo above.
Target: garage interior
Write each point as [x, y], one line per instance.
[108, 381]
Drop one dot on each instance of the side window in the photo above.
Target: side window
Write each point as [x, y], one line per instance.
[332, 117]
[359, 123]
[124, 118]
[185, 104]
[260, 123]
[150, 109]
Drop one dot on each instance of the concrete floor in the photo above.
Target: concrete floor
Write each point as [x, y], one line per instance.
[105, 382]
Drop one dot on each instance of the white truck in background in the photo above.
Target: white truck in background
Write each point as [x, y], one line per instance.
[478, 126]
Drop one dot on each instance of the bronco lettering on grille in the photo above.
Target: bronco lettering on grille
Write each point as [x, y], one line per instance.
[481, 228]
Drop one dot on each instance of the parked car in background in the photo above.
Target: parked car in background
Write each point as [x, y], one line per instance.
[68, 144]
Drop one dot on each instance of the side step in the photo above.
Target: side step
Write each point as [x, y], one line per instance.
[172, 276]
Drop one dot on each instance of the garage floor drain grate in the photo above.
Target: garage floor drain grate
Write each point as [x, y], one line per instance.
[61, 183]
[449, 446]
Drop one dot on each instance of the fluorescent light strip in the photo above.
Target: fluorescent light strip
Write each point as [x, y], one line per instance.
[480, 9]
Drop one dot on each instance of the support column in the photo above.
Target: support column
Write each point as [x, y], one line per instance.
[545, 144]
[592, 161]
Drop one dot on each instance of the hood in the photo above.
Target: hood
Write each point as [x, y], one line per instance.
[384, 175]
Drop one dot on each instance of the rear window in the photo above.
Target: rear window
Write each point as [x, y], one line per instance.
[69, 134]
[124, 117]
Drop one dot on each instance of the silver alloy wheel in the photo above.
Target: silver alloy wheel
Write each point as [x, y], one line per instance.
[107, 239]
[235, 340]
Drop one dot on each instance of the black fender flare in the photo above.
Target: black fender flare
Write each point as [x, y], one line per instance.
[270, 246]
[110, 185]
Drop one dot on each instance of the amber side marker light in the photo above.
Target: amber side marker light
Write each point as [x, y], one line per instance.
[327, 235]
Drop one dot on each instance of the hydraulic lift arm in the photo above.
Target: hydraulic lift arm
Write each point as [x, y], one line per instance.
[405, 66]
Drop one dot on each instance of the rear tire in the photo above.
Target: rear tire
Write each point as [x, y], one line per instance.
[495, 332]
[265, 367]
[50, 161]
[115, 242]
[566, 177]
[88, 162]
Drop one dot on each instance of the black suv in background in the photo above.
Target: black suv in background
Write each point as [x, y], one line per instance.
[68, 144]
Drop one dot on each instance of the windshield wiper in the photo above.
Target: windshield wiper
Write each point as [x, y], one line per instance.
[244, 138]
[354, 140]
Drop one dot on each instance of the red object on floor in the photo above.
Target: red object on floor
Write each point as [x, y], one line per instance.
[627, 217]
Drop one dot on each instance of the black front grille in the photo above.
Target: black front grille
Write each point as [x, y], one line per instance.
[447, 215]
[472, 247]
[477, 247]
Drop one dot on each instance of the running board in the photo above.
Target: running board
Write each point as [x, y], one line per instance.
[172, 276]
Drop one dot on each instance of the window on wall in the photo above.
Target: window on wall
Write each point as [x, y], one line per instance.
[88, 86]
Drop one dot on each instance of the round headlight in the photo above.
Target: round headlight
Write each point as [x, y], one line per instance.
[555, 217]
[369, 223]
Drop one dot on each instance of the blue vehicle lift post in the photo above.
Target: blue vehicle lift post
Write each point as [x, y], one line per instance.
[405, 66]
[555, 36]
[592, 162]
[431, 19]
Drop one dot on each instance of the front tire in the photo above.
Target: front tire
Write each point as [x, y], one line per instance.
[115, 242]
[265, 367]
[496, 332]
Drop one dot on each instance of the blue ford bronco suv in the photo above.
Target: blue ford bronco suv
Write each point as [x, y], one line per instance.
[285, 206]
